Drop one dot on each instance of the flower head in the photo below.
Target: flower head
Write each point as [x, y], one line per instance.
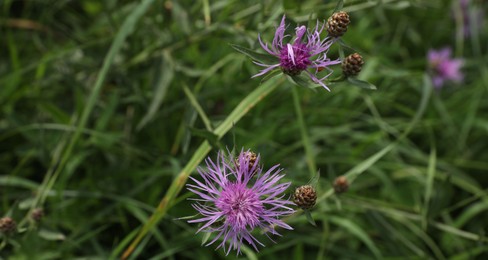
[337, 24]
[341, 184]
[352, 64]
[7, 225]
[443, 67]
[305, 51]
[305, 197]
[235, 199]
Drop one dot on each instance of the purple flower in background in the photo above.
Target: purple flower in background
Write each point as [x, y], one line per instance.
[300, 54]
[443, 67]
[236, 197]
[470, 16]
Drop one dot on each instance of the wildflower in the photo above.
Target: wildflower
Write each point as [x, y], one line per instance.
[305, 197]
[299, 55]
[444, 68]
[337, 24]
[7, 225]
[233, 205]
[341, 184]
[352, 64]
[37, 214]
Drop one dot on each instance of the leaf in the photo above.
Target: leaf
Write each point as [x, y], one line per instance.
[470, 213]
[428, 187]
[26, 203]
[194, 102]
[271, 74]
[58, 115]
[398, 6]
[212, 138]
[309, 217]
[359, 232]
[342, 43]
[303, 81]
[205, 238]
[261, 57]
[163, 83]
[18, 182]
[342, 56]
[315, 179]
[361, 83]
[470, 253]
[249, 252]
[51, 235]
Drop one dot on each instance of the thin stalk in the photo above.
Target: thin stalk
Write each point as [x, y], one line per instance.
[312, 166]
[194, 102]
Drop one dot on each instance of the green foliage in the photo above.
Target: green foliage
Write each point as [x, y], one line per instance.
[107, 107]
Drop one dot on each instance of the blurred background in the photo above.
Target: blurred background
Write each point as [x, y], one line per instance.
[98, 115]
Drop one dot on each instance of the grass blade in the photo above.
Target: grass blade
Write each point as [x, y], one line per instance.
[64, 151]
[357, 231]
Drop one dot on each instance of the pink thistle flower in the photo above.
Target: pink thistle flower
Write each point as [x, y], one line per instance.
[236, 199]
[444, 68]
[300, 55]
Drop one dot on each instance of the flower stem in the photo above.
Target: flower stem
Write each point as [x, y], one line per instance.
[303, 130]
[242, 109]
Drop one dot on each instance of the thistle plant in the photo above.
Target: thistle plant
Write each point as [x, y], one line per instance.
[232, 203]
[305, 197]
[352, 65]
[236, 197]
[300, 55]
[337, 24]
[305, 58]
[107, 106]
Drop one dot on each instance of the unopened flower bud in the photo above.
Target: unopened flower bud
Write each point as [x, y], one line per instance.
[37, 214]
[305, 197]
[337, 24]
[7, 225]
[341, 184]
[251, 157]
[352, 64]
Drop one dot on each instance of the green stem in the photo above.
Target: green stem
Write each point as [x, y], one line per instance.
[194, 102]
[242, 109]
[303, 130]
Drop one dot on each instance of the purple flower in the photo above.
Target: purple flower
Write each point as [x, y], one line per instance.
[470, 16]
[236, 198]
[300, 55]
[443, 67]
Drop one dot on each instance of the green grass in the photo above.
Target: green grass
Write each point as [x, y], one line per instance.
[106, 108]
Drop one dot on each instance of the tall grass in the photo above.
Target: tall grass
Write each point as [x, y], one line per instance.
[108, 106]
